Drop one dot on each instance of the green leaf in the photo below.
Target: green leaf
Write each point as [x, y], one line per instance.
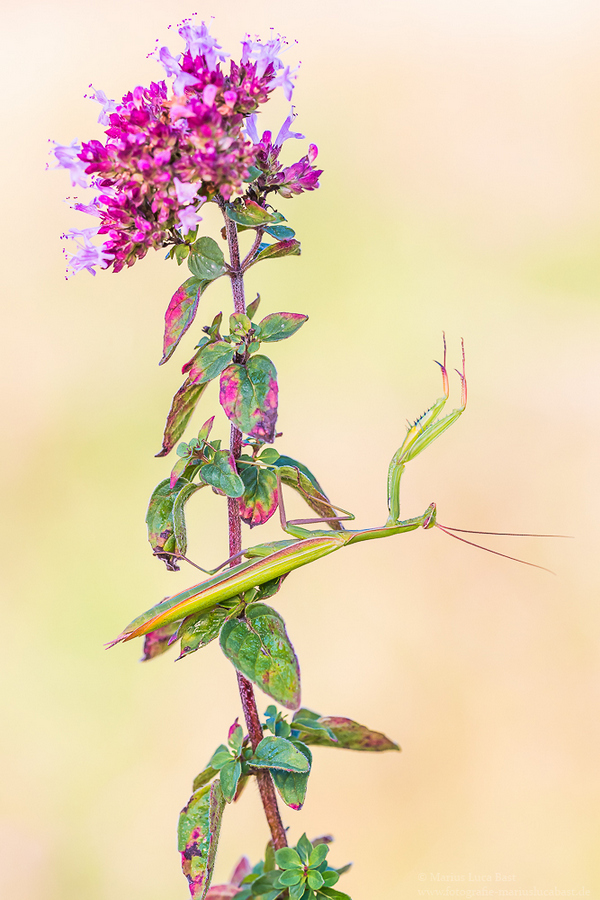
[259, 648]
[230, 775]
[315, 879]
[158, 642]
[279, 753]
[252, 308]
[281, 325]
[297, 891]
[180, 314]
[235, 737]
[259, 500]
[198, 836]
[269, 857]
[251, 215]
[332, 894]
[181, 252]
[205, 776]
[200, 629]
[183, 405]
[350, 736]
[292, 785]
[276, 251]
[330, 877]
[248, 395]
[253, 174]
[268, 456]
[209, 362]
[206, 259]
[269, 588]
[304, 849]
[221, 756]
[291, 876]
[318, 855]
[280, 232]
[288, 858]
[221, 474]
[265, 887]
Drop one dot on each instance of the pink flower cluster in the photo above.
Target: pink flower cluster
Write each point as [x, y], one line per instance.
[289, 180]
[163, 156]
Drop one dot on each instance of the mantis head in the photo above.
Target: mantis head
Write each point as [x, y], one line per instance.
[429, 516]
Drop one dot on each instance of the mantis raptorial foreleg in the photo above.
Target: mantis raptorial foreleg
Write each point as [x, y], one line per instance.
[423, 432]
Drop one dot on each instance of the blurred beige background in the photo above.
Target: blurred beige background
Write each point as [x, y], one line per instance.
[460, 143]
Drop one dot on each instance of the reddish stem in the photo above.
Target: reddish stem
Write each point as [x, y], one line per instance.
[265, 782]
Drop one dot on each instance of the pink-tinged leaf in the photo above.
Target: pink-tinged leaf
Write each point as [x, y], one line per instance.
[180, 314]
[350, 735]
[177, 471]
[204, 433]
[275, 251]
[279, 326]
[182, 407]
[259, 500]
[240, 872]
[223, 892]
[233, 886]
[248, 396]
[159, 641]
[210, 362]
[198, 836]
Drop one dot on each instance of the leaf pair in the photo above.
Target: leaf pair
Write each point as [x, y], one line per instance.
[165, 519]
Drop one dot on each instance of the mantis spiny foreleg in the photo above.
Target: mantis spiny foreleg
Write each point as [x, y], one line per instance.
[423, 432]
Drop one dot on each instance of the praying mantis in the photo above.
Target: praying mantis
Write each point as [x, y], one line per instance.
[274, 560]
[267, 562]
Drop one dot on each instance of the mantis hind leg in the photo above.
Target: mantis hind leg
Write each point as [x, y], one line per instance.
[422, 432]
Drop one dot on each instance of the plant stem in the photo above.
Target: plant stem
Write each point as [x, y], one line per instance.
[265, 782]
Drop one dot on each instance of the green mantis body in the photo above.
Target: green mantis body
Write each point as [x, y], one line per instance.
[274, 560]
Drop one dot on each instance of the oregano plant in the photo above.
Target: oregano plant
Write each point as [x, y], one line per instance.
[169, 150]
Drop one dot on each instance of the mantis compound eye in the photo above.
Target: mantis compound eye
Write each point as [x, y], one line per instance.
[430, 516]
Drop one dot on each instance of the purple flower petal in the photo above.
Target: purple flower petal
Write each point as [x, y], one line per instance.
[251, 131]
[108, 106]
[88, 255]
[285, 133]
[262, 54]
[188, 218]
[185, 192]
[200, 43]
[285, 79]
[68, 158]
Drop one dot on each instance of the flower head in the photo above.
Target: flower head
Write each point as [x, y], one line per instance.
[165, 153]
